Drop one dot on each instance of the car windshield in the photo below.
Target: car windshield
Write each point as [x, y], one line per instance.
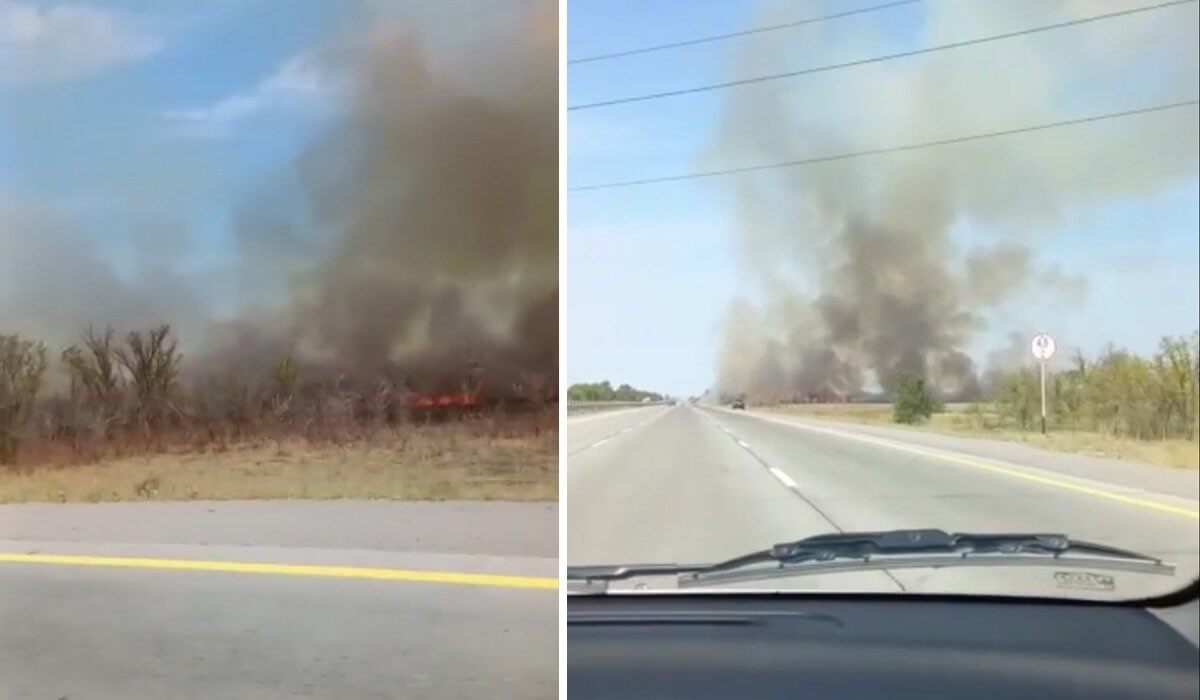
[915, 266]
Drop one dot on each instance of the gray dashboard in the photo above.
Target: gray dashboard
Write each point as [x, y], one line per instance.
[708, 646]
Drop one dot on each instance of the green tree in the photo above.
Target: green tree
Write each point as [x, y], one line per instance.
[1119, 393]
[1177, 363]
[604, 391]
[914, 401]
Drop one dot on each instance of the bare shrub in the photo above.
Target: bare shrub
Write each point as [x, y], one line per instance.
[287, 381]
[152, 361]
[126, 397]
[22, 366]
[232, 404]
[532, 388]
[382, 403]
[95, 383]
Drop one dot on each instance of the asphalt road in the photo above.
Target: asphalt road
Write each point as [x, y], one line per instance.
[315, 599]
[693, 484]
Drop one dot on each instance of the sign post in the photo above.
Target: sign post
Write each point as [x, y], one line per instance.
[1043, 348]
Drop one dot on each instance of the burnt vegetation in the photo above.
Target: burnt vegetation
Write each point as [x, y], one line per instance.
[399, 267]
[116, 395]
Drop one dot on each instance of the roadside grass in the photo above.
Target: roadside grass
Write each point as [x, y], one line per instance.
[970, 420]
[461, 460]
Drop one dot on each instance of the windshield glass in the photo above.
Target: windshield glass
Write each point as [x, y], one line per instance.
[925, 265]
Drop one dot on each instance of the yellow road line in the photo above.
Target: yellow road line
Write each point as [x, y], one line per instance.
[355, 572]
[1002, 468]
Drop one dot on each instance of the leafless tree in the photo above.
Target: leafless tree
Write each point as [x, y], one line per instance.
[95, 379]
[22, 366]
[152, 361]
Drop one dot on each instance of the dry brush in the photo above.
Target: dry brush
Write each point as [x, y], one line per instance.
[131, 395]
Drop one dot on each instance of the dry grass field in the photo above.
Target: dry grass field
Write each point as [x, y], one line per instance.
[513, 458]
[978, 421]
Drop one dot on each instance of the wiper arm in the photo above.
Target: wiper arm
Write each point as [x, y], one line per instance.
[864, 545]
[628, 571]
[857, 551]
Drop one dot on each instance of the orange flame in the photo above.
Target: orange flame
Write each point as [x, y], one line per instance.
[460, 398]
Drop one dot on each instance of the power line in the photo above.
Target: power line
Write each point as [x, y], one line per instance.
[890, 149]
[878, 59]
[745, 32]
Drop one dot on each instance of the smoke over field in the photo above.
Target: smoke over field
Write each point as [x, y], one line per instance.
[406, 251]
[869, 269]
[416, 237]
[440, 191]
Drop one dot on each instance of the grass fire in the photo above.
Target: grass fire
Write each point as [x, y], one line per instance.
[370, 309]
[114, 418]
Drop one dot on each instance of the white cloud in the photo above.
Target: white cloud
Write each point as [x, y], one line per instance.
[65, 42]
[303, 78]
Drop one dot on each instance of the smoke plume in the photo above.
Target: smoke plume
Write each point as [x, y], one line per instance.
[414, 238]
[439, 190]
[868, 269]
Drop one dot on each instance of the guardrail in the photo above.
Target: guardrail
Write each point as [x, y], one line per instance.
[575, 408]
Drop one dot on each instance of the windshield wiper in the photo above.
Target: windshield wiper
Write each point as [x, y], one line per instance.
[894, 549]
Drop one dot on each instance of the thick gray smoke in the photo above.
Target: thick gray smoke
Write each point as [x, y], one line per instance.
[868, 269]
[432, 212]
[416, 237]
[53, 282]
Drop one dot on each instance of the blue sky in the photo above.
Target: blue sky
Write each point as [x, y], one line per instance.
[139, 127]
[652, 270]
[649, 269]
[117, 111]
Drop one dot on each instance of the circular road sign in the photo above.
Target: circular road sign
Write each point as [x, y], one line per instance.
[1042, 346]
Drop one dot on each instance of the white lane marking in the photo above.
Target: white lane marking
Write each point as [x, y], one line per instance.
[585, 417]
[1069, 482]
[782, 477]
[626, 429]
[787, 480]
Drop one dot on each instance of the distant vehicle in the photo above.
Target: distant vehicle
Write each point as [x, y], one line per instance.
[739, 404]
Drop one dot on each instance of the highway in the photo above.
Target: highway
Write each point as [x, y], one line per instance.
[702, 484]
[274, 599]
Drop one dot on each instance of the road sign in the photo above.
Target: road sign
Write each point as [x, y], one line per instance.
[1042, 346]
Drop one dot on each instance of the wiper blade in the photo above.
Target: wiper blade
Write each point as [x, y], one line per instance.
[894, 549]
[864, 545]
[627, 571]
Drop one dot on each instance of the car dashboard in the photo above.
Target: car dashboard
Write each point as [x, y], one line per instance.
[878, 646]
